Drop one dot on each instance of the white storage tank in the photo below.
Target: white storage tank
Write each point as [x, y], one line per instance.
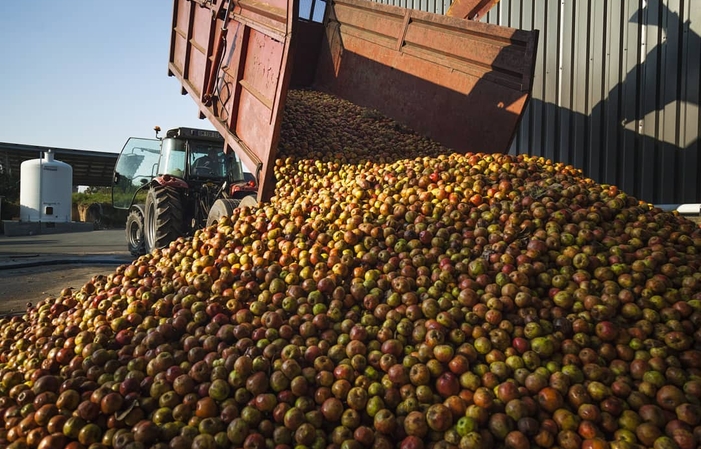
[45, 190]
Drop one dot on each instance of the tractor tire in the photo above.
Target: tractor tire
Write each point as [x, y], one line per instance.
[135, 233]
[224, 207]
[164, 217]
[249, 201]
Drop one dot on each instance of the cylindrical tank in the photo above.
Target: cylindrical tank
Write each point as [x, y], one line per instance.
[45, 190]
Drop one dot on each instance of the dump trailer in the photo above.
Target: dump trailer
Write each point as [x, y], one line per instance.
[460, 82]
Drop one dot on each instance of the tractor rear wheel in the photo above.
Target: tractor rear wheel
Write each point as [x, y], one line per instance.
[164, 217]
[135, 233]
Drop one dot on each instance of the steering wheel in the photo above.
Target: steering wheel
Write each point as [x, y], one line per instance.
[204, 170]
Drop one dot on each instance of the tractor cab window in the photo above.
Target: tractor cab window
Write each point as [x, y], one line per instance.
[136, 167]
[173, 158]
[207, 159]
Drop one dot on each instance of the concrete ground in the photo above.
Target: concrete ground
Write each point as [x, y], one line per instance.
[33, 267]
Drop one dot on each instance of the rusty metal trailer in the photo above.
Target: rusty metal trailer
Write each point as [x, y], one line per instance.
[463, 83]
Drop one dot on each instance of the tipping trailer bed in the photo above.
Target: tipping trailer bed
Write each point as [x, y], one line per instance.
[463, 83]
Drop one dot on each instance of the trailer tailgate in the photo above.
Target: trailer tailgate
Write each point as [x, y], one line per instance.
[463, 83]
[237, 71]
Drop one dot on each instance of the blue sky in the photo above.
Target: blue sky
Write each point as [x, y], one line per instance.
[88, 74]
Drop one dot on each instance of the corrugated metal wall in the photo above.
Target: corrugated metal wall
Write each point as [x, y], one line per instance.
[616, 90]
[434, 6]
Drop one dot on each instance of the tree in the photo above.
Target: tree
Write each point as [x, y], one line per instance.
[91, 190]
[9, 185]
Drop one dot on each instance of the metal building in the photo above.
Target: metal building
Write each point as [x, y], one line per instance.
[90, 168]
[616, 90]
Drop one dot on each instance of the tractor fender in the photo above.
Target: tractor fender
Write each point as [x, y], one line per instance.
[170, 181]
[240, 190]
[139, 208]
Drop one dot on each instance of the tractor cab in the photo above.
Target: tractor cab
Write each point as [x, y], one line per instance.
[195, 154]
[192, 159]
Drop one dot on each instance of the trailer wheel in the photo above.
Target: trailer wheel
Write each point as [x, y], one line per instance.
[224, 207]
[164, 217]
[135, 233]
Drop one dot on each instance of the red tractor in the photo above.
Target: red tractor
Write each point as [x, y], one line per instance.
[177, 184]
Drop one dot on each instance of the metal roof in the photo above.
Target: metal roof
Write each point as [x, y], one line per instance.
[90, 168]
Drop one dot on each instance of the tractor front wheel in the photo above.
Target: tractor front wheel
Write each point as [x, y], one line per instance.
[135, 233]
[164, 217]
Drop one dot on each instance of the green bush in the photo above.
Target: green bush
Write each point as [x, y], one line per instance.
[90, 198]
[96, 204]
